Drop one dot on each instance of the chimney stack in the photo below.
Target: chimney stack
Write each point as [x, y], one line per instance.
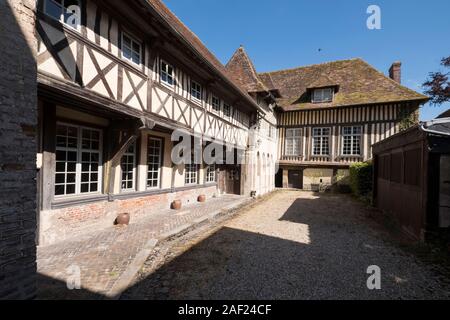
[395, 72]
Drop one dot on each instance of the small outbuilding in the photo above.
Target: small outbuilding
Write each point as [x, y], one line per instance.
[412, 178]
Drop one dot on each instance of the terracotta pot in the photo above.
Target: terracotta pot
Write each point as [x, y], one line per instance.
[176, 204]
[202, 198]
[123, 219]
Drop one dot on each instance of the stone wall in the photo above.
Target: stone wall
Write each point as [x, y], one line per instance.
[18, 117]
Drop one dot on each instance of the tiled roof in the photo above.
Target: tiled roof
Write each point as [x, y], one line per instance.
[358, 83]
[187, 35]
[241, 68]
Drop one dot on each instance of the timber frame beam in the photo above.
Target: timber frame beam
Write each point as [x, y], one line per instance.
[123, 134]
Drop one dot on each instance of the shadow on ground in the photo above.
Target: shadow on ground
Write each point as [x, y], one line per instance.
[317, 247]
[330, 261]
[54, 289]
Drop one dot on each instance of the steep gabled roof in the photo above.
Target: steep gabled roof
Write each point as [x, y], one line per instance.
[241, 68]
[358, 82]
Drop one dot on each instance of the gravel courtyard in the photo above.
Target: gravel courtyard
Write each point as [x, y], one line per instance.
[292, 245]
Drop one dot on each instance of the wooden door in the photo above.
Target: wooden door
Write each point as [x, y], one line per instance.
[295, 179]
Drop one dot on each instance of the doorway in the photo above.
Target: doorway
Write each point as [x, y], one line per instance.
[229, 180]
[295, 179]
[279, 179]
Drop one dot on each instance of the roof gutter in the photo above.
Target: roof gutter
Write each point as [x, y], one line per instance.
[425, 125]
[249, 99]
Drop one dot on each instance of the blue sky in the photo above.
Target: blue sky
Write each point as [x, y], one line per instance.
[280, 34]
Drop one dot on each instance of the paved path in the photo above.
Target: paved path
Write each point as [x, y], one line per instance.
[293, 245]
[107, 260]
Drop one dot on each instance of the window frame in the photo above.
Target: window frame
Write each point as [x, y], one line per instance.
[208, 173]
[313, 98]
[134, 171]
[61, 17]
[200, 91]
[133, 40]
[214, 97]
[160, 164]
[299, 137]
[161, 72]
[192, 173]
[321, 137]
[352, 135]
[79, 162]
[228, 116]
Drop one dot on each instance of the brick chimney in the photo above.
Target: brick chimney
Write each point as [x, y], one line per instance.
[395, 72]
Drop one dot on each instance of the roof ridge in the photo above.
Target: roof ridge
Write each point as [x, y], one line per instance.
[310, 65]
[196, 44]
[182, 24]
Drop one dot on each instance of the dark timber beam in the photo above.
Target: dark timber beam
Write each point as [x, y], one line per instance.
[117, 146]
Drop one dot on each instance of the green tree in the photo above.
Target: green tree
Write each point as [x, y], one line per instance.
[438, 84]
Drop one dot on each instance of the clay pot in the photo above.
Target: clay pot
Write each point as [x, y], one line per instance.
[202, 198]
[123, 219]
[176, 204]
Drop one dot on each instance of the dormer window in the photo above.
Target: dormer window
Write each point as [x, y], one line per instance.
[322, 95]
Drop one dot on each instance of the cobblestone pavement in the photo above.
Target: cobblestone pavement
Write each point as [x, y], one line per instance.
[293, 245]
[104, 257]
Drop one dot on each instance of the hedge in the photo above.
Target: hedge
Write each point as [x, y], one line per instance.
[361, 175]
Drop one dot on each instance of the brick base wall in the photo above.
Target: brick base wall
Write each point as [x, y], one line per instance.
[18, 118]
[65, 223]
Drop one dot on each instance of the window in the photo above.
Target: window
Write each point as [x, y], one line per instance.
[321, 138]
[154, 161]
[167, 73]
[128, 166]
[65, 11]
[351, 141]
[196, 90]
[216, 104]
[272, 131]
[322, 95]
[226, 110]
[211, 173]
[293, 142]
[131, 49]
[78, 160]
[191, 171]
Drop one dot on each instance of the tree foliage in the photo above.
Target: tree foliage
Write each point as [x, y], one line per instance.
[438, 84]
[361, 178]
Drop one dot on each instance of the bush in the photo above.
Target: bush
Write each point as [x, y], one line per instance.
[361, 177]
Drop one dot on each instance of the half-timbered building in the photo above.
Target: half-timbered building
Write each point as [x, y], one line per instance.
[116, 78]
[331, 114]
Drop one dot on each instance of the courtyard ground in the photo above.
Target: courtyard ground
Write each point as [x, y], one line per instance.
[107, 260]
[291, 245]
